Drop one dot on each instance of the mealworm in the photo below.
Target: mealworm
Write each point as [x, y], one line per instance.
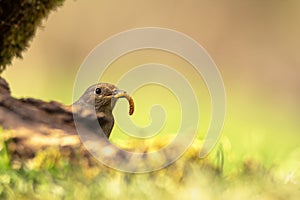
[131, 105]
[129, 99]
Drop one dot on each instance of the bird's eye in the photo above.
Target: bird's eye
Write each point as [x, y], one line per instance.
[98, 91]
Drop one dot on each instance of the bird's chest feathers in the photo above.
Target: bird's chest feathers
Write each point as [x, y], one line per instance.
[108, 122]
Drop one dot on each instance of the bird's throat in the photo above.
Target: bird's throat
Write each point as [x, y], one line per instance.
[107, 123]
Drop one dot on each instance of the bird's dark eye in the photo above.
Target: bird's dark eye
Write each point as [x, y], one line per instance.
[98, 91]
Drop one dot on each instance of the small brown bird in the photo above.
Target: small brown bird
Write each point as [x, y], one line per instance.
[102, 98]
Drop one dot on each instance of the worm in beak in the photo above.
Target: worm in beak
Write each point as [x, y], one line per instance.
[123, 94]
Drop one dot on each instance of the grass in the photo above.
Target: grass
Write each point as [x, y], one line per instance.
[257, 158]
[50, 176]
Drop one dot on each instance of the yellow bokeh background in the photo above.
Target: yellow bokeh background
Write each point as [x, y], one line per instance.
[255, 45]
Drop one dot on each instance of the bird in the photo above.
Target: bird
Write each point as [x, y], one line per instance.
[101, 98]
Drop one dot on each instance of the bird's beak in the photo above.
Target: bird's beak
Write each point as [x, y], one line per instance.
[123, 94]
[120, 94]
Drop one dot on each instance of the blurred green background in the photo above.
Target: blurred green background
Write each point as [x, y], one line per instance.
[255, 44]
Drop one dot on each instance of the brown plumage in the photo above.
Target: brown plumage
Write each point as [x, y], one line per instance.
[102, 98]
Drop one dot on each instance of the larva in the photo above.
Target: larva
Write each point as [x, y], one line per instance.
[131, 105]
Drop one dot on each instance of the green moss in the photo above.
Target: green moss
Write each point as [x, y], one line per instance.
[19, 20]
[4, 158]
[50, 176]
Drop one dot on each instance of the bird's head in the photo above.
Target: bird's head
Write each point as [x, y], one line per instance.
[103, 96]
